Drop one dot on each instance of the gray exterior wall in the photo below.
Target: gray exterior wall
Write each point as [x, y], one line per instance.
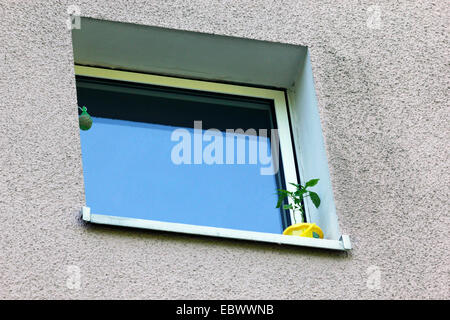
[382, 90]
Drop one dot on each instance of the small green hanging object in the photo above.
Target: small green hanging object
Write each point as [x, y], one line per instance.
[84, 119]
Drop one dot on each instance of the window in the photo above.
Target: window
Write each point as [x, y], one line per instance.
[184, 151]
[187, 156]
[186, 55]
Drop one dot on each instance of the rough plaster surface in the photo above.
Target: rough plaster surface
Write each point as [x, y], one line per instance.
[383, 96]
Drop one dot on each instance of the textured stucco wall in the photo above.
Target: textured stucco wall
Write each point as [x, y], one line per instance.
[382, 93]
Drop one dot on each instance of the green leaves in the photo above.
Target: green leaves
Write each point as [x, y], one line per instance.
[298, 195]
[311, 183]
[280, 200]
[282, 194]
[314, 198]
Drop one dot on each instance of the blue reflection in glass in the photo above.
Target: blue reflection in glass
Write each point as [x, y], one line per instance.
[128, 172]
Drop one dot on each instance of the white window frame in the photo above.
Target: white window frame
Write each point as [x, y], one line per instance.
[286, 150]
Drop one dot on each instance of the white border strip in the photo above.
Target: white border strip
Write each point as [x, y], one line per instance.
[342, 244]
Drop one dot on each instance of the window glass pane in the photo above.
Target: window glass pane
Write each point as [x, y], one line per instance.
[128, 163]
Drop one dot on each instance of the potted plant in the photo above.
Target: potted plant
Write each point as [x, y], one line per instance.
[301, 229]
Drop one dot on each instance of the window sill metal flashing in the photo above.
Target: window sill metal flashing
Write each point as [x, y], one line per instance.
[343, 244]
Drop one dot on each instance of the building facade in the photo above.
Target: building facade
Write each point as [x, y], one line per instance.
[380, 73]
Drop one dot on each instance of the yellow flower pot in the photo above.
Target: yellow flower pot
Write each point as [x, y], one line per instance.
[310, 230]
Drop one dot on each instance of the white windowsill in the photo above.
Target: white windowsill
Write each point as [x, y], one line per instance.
[342, 244]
